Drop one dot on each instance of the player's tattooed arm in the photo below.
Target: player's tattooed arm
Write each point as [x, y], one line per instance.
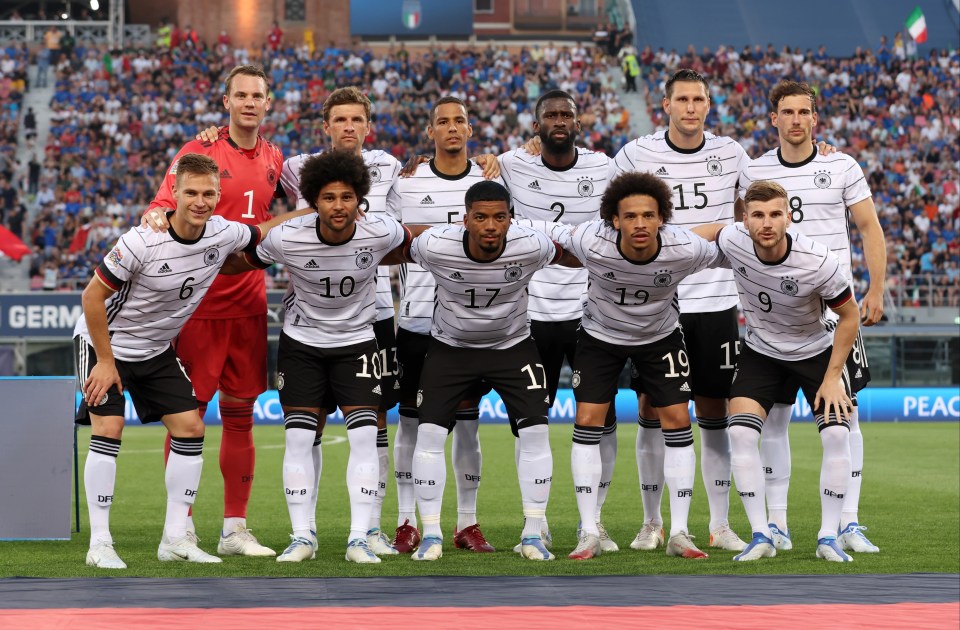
[104, 374]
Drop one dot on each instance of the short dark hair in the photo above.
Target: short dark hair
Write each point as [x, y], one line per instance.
[333, 166]
[792, 88]
[444, 101]
[686, 74]
[486, 191]
[196, 164]
[346, 96]
[764, 190]
[552, 94]
[629, 184]
[250, 71]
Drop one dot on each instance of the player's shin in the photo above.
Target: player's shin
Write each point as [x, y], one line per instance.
[237, 460]
[679, 470]
[182, 480]
[775, 459]
[586, 468]
[608, 458]
[650, 452]
[834, 475]
[851, 501]
[744, 434]
[362, 469]
[99, 479]
[403, 446]
[317, 456]
[535, 471]
[430, 475]
[383, 468]
[467, 464]
[298, 469]
[715, 468]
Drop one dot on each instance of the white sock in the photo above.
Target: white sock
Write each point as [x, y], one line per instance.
[608, 458]
[715, 468]
[232, 523]
[544, 526]
[586, 468]
[383, 462]
[834, 477]
[744, 435]
[430, 476]
[650, 451]
[403, 446]
[679, 470]
[851, 501]
[299, 471]
[467, 464]
[775, 458]
[535, 471]
[182, 478]
[362, 469]
[317, 456]
[99, 479]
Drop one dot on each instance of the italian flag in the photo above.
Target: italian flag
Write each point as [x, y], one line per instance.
[917, 26]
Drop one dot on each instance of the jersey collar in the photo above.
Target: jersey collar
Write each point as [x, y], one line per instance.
[326, 242]
[786, 164]
[450, 177]
[180, 239]
[466, 250]
[703, 143]
[640, 262]
[782, 260]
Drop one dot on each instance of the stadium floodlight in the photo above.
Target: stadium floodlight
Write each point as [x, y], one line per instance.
[94, 5]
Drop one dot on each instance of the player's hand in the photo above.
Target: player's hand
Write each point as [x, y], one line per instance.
[102, 377]
[411, 166]
[490, 165]
[824, 148]
[836, 403]
[871, 310]
[210, 134]
[156, 220]
[532, 146]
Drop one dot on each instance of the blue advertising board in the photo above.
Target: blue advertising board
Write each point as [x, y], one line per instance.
[411, 18]
[879, 404]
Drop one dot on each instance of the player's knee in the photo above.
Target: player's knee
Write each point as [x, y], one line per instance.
[674, 417]
[107, 426]
[186, 424]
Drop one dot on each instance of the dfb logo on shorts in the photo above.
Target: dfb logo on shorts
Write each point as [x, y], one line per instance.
[575, 379]
[419, 397]
[279, 380]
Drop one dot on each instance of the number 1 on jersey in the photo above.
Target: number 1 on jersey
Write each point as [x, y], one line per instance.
[249, 213]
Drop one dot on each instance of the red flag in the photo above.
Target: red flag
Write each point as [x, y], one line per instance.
[12, 246]
[79, 242]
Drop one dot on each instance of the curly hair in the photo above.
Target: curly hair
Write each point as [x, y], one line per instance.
[792, 88]
[341, 166]
[629, 184]
[346, 96]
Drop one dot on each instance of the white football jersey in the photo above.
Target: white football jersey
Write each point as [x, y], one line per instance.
[333, 285]
[428, 197]
[704, 185]
[570, 196]
[820, 190]
[384, 172]
[482, 304]
[636, 303]
[783, 302]
[159, 279]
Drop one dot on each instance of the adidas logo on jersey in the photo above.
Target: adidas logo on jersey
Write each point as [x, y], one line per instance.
[534, 185]
[165, 269]
[684, 387]
[609, 276]
[225, 174]
[456, 276]
[426, 201]
[311, 265]
[662, 171]
[742, 270]
[376, 390]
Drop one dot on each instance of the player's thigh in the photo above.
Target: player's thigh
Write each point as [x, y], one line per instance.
[858, 367]
[762, 379]
[515, 375]
[203, 349]
[389, 367]
[597, 369]
[411, 352]
[355, 373]
[160, 387]
[244, 372]
[712, 341]
[114, 403]
[809, 374]
[663, 370]
[302, 375]
[450, 375]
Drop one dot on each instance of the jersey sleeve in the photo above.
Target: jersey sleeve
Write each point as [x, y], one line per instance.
[399, 234]
[270, 249]
[392, 208]
[420, 247]
[559, 232]
[622, 162]
[579, 239]
[706, 254]
[123, 261]
[247, 237]
[743, 163]
[832, 282]
[550, 250]
[855, 188]
[290, 180]
[505, 160]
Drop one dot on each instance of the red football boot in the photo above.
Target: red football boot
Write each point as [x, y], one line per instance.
[472, 539]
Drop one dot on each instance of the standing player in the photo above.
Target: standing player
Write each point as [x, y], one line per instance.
[328, 341]
[434, 195]
[346, 120]
[702, 170]
[563, 184]
[224, 345]
[825, 191]
[140, 296]
[480, 334]
[786, 281]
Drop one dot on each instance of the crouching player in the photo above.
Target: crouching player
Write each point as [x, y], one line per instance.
[785, 281]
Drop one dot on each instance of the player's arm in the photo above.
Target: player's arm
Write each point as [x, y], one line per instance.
[875, 251]
[489, 163]
[104, 374]
[709, 231]
[832, 391]
[401, 253]
[210, 134]
[532, 146]
[566, 258]
[248, 260]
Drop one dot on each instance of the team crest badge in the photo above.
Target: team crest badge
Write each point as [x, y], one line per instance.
[272, 177]
[279, 380]
[714, 167]
[789, 286]
[364, 260]
[211, 256]
[374, 174]
[575, 379]
[585, 187]
[513, 274]
[821, 179]
[662, 279]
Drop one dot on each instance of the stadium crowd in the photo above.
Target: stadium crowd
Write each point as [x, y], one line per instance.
[119, 116]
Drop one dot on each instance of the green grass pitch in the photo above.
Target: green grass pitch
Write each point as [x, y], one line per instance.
[911, 502]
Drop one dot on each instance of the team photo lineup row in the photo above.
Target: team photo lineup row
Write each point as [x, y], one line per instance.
[495, 260]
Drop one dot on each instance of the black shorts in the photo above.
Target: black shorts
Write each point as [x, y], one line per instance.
[305, 373]
[762, 378]
[858, 371]
[389, 366]
[450, 374]
[555, 341]
[158, 386]
[411, 354]
[713, 343]
[661, 369]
